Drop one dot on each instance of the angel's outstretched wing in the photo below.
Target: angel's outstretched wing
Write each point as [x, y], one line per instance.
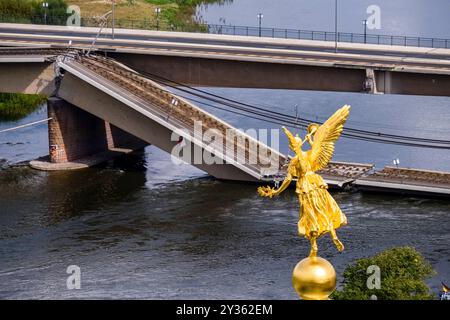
[323, 146]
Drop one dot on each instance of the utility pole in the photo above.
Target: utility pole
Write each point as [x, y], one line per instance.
[335, 26]
[365, 30]
[157, 11]
[260, 16]
[103, 23]
[113, 3]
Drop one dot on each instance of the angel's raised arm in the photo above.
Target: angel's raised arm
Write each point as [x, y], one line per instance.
[288, 134]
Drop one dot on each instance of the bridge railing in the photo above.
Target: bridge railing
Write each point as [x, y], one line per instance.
[329, 36]
[152, 24]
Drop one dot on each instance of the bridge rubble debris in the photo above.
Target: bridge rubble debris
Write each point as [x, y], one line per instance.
[406, 181]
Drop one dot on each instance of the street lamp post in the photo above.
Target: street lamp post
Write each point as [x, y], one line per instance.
[45, 6]
[365, 30]
[113, 13]
[157, 11]
[260, 16]
[335, 26]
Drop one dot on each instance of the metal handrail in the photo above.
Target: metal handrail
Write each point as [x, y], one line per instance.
[149, 24]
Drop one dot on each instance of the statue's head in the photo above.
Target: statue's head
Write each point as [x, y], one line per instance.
[312, 128]
[295, 142]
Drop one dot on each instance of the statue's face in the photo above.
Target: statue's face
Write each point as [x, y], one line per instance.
[296, 145]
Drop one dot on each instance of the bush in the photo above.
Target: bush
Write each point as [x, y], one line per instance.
[403, 273]
[17, 8]
[16, 106]
[180, 15]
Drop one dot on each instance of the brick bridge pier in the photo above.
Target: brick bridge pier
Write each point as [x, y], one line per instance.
[78, 139]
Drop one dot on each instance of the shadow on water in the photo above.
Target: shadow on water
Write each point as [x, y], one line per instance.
[68, 194]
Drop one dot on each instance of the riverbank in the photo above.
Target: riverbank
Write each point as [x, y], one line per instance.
[171, 13]
[143, 13]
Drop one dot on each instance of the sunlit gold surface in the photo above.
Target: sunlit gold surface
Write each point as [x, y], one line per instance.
[319, 213]
[314, 278]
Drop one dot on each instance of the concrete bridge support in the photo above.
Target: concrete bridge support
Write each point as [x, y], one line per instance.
[75, 134]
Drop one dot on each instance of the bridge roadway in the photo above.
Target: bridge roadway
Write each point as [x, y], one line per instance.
[25, 33]
[236, 61]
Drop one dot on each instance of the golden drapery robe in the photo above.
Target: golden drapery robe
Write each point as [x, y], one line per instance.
[319, 212]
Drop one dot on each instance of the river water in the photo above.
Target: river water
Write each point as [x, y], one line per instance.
[399, 18]
[141, 227]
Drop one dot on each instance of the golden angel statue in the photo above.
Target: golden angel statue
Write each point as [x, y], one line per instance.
[319, 212]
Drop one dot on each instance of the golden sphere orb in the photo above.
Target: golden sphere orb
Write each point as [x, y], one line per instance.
[314, 278]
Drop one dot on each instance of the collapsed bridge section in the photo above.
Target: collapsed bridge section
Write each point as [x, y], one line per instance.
[145, 109]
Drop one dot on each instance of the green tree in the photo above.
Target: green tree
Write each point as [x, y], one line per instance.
[403, 273]
[56, 12]
[32, 11]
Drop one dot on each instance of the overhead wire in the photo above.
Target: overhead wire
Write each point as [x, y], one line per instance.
[251, 108]
[279, 118]
[303, 126]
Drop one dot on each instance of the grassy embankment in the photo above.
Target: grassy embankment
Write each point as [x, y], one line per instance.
[129, 13]
[181, 14]
[175, 14]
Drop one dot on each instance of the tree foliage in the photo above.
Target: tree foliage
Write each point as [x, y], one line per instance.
[16, 106]
[32, 11]
[403, 274]
[181, 15]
